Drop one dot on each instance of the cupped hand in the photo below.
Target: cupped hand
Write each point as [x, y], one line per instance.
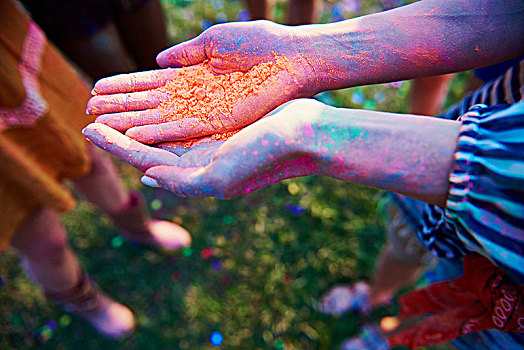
[263, 153]
[135, 103]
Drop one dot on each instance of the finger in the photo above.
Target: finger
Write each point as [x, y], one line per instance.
[140, 156]
[134, 82]
[149, 181]
[172, 131]
[135, 101]
[184, 54]
[186, 182]
[125, 120]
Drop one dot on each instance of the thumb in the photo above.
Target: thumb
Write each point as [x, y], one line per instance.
[187, 53]
[184, 182]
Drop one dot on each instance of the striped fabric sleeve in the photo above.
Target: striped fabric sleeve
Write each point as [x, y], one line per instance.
[507, 88]
[435, 233]
[485, 205]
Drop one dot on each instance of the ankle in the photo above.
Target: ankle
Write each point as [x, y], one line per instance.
[88, 301]
[82, 297]
[132, 201]
[132, 217]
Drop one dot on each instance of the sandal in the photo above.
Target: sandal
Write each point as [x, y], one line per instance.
[342, 299]
[87, 300]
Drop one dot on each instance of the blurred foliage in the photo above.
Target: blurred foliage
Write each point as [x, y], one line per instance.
[258, 264]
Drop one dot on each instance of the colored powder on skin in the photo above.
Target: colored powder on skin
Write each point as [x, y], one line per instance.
[193, 142]
[197, 92]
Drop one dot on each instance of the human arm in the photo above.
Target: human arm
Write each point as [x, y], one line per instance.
[428, 37]
[425, 38]
[409, 155]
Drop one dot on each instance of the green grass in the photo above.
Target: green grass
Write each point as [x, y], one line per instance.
[269, 266]
[274, 267]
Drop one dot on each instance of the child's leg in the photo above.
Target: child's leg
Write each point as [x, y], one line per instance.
[102, 187]
[143, 31]
[402, 259]
[258, 9]
[42, 241]
[399, 263]
[392, 273]
[303, 12]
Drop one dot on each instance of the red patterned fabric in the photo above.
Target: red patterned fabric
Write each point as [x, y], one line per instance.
[34, 107]
[483, 298]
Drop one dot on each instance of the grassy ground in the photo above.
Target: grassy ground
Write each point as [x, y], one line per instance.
[257, 266]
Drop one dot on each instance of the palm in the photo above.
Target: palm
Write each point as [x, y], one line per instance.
[255, 157]
[131, 103]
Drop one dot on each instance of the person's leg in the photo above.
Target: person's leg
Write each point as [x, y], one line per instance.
[99, 55]
[299, 11]
[428, 94]
[103, 188]
[403, 258]
[143, 31]
[50, 262]
[258, 9]
[303, 12]
[42, 241]
[395, 269]
[392, 273]
[399, 262]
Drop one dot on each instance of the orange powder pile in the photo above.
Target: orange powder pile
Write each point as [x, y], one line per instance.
[198, 93]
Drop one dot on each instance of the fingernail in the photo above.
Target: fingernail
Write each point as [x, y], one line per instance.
[149, 181]
[161, 59]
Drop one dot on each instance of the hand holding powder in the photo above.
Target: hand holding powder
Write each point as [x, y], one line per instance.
[193, 100]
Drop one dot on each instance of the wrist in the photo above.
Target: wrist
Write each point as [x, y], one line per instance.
[330, 131]
[313, 132]
[297, 125]
[340, 54]
[308, 44]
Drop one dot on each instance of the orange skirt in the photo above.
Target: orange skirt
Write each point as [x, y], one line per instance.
[42, 113]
